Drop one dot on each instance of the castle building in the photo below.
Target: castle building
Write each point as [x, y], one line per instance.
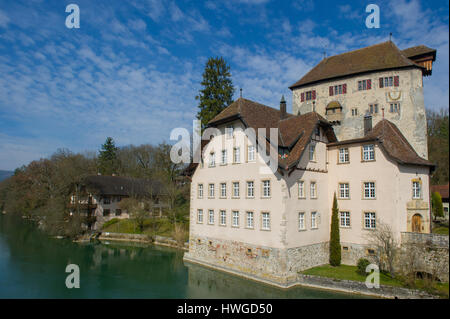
[268, 225]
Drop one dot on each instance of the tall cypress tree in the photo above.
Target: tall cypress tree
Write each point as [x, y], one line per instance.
[107, 160]
[217, 91]
[335, 245]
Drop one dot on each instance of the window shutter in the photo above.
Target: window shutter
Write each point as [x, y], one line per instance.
[302, 97]
[313, 94]
[396, 80]
[331, 91]
[344, 88]
[369, 84]
[381, 83]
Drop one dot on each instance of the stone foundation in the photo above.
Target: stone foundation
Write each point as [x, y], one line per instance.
[267, 264]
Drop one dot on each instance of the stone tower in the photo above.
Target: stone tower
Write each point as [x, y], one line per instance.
[379, 80]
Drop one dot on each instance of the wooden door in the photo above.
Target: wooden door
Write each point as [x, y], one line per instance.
[416, 223]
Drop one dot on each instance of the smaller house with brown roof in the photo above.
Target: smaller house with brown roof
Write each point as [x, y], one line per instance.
[99, 196]
[443, 191]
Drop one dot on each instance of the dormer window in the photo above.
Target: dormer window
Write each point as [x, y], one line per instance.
[283, 152]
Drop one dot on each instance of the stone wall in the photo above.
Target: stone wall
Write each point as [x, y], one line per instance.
[274, 265]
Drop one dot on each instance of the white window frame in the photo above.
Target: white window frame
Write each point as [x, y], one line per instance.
[265, 221]
[370, 189]
[251, 153]
[368, 152]
[223, 190]
[229, 130]
[212, 159]
[344, 219]
[250, 189]
[266, 188]
[211, 217]
[236, 155]
[250, 220]
[223, 217]
[200, 216]
[235, 214]
[211, 191]
[344, 156]
[301, 189]
[236, 190]
[200, 190]
[301, 221]
[313, 190]
[417, 190]
[314, 220]
[224, 157]
[312, 152]
[344, 189]
[370, 220]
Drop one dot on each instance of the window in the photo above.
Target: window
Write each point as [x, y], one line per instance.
[369, 190]
[223, 189]
[301, 221]
[416, 190]
[200, 190]
[200, 216]
[237, 155]
[308, 96]
[251, 153]
[107, 200]
[211, 190]
[301, 189]
[249, 219]
[368, 153]
[229, 131]
[212, 160]
[250, 189]
[389, 81]
[235, 219]
[354, 112]
[223, 217]
[344, 190]
[313, 190]
[235, 189]
[343, 155]
[345, 219]
[313, 220]
[364, 85]
[338, 89]
[266, 188]
[224, 157]
[394, 108]
[118, 212]
[265, 221]
[211, 217]
[106, 212]
[312, 152]
[369, 221]
[373, 108]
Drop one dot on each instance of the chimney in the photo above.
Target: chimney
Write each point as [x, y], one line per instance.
[367, 124]
[282, 108]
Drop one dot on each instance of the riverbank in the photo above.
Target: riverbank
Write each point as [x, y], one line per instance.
[142, 238]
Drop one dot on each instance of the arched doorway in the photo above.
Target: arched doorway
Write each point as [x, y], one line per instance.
[417, 223]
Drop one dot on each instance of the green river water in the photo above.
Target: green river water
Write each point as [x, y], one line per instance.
[32, 265]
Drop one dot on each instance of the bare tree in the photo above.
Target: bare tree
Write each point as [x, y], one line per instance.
[383, 239]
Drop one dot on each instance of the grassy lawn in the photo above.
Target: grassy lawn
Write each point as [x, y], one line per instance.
[160, 227]
[345, 272]
[441, 230]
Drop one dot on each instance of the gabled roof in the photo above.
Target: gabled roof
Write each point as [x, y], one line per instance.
[419, 50]
[393, 143]
[382, 56]
[294, 131]
[122, 186]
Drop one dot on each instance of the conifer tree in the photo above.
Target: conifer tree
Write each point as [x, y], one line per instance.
[217, 91]
[335, 245]
[436, 205]
[107, 160]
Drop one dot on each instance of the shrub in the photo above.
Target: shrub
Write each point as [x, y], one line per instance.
[362, 265]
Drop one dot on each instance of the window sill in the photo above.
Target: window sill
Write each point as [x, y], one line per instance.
[343, 163]
[262, 229]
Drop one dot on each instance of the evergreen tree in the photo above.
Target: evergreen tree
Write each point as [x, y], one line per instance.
[335, 245]
[217, 92]
[107, 160]
[436, 205]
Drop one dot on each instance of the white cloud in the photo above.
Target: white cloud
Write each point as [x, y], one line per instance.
[4, 20]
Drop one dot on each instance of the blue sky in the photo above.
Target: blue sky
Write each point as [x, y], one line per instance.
[133, 69]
